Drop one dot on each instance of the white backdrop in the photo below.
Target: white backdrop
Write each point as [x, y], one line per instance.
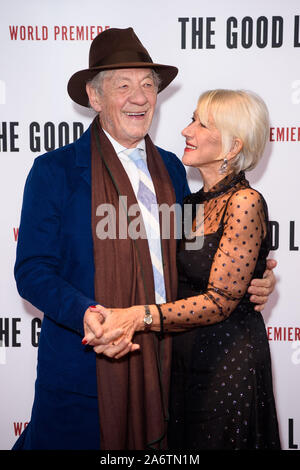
[233, 44]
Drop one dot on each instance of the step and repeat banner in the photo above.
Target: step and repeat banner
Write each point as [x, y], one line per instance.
[218, 44]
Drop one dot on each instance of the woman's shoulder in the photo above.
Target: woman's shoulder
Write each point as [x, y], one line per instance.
[247, 204]
[247, 195]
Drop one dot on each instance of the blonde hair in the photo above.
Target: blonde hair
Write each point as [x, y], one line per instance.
[237, 114]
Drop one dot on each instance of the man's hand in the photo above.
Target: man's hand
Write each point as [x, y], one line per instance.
[117, 350]
[105, 341]
[260, 289]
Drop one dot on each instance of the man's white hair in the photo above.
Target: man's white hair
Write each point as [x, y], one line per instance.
[97, 81]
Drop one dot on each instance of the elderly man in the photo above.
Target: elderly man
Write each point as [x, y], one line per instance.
[64, 265]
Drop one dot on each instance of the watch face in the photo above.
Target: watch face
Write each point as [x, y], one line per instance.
[148, 319]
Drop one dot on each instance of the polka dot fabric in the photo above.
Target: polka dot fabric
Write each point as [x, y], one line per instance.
[241, 213]
[221, 381]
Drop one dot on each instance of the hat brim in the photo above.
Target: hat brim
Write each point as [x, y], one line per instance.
[77, 83]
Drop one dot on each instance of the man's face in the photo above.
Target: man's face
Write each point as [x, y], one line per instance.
[127, 104]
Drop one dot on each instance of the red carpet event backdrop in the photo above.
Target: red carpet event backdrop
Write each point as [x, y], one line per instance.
[218, 44]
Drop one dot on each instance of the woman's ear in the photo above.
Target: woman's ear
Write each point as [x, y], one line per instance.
[236, 147]
[94, 98]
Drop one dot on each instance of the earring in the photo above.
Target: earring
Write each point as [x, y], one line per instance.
[223, 167]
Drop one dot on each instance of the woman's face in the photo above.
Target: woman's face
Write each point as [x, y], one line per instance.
[203, 143]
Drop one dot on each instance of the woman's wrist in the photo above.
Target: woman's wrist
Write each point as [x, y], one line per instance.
[140, 312]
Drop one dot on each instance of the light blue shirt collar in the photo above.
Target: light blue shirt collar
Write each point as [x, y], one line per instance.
[119, 149]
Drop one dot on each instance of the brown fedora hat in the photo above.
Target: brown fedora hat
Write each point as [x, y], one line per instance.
[116, 49]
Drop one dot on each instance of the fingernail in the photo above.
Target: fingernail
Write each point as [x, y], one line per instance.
[84, 341]
[93, 306]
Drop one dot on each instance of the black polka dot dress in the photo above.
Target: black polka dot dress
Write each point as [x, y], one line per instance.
[221, 383]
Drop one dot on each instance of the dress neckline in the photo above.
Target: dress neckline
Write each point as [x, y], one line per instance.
[221, 187]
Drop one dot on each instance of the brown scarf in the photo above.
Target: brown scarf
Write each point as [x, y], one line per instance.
[132, 391]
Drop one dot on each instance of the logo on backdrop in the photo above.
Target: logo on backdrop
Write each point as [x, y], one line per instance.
[56, 33]
[41, 137]
[19, 427]
[284, 333]
[291, 433]
[247, 32]
[285, 134]
[10, 332]
[49, 135]
[275, 235]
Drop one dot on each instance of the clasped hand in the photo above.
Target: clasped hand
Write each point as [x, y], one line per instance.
[110, 331]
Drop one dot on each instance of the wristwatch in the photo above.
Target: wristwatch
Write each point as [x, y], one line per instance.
[148, 317]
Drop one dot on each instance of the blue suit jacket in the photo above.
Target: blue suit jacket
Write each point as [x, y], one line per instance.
[54, 267]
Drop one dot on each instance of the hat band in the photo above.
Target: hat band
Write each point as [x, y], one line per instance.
[123, 57]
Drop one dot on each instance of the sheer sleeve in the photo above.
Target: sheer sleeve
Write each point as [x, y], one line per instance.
[232, 268]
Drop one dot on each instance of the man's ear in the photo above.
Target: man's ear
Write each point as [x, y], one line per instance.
[94, 98]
